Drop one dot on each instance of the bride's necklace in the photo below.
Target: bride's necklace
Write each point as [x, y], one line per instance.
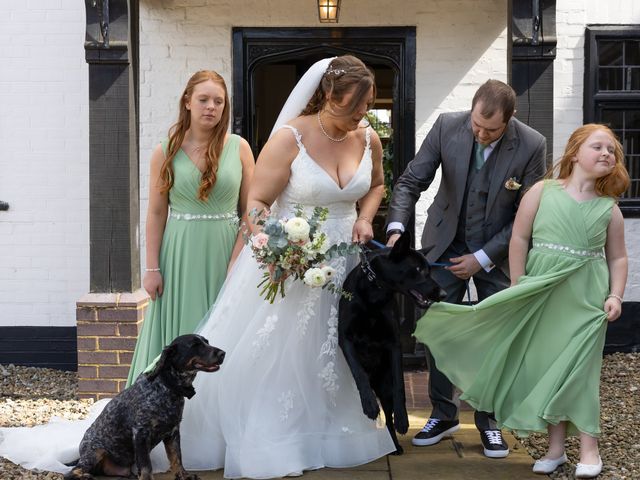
[327, 135]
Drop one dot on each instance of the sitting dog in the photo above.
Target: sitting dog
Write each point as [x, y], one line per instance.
[369, 332]
[147, 412]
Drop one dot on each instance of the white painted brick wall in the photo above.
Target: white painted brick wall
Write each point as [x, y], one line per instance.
[181, 36]
[44, 171]
[632, 235]
[572, 17]
[44, 251]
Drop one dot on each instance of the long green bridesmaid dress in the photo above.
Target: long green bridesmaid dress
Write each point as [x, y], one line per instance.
[532, 353]
[196, 248]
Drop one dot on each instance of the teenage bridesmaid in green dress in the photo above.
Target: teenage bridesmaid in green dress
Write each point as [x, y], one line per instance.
[197, 198]
[532, 353]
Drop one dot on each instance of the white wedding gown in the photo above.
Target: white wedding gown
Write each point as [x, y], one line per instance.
[284, 400]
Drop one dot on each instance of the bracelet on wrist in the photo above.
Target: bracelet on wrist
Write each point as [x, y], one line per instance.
[151, 269]
[613, 295]
[365, 219]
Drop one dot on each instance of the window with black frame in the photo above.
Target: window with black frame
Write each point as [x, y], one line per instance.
[612, 95]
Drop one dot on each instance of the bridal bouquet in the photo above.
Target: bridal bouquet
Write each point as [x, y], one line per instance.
[295, 247]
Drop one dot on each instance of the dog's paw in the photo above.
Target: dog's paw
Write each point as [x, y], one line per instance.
[370, 406]
[187, 476]
[399, 450]
[78, 474]
[401, 422]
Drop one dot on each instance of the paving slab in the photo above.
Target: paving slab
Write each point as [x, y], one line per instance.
[456, 458]
[460, 457]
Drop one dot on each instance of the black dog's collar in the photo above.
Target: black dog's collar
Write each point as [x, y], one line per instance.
[365, 265]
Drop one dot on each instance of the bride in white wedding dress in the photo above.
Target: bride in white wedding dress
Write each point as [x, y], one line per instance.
[284, 400]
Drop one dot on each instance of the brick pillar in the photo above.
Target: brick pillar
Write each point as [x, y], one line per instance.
[108, 327]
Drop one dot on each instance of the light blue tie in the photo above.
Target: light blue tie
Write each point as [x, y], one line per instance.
[479, 155]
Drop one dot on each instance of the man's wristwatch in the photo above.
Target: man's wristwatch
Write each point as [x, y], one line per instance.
[393, 231]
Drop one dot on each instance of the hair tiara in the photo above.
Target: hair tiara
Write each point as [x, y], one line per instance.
[335, 71]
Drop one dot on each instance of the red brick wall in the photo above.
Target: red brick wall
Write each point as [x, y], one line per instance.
[108, 327]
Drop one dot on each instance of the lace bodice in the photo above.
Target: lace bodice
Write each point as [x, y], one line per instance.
[310, 185]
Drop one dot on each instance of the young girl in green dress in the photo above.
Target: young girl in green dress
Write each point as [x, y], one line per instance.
[197, 191]
[533, 352]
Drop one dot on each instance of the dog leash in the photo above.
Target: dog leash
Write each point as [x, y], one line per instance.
[366, 266]
[377, 244]
[371, 275]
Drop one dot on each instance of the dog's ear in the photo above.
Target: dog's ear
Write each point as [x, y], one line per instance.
[167, 352]
[401, 247]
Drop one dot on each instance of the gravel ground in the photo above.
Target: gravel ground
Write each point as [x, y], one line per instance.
[619, 421]
[29, 396]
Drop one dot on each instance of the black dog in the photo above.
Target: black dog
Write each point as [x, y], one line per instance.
[147, 412]
[369, 332]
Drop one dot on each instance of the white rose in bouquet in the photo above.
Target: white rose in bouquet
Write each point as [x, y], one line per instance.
[297, 229]
[329, 272]
[315, 277]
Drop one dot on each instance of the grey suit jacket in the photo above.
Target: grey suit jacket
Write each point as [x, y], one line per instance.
[449, 144]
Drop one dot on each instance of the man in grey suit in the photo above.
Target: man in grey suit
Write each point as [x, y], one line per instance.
[488, 160]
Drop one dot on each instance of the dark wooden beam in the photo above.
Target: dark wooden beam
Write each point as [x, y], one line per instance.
[111, 47]
[532, 51]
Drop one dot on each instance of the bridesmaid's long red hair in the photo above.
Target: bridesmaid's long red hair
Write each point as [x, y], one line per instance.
[215, 142]
[612, 185]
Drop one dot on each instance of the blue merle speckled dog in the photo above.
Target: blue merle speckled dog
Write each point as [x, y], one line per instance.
[146, 413]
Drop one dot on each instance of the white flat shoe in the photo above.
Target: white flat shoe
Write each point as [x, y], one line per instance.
[585, 470]
[549, 465]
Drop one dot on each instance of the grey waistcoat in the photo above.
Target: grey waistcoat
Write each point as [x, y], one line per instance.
[470, 233]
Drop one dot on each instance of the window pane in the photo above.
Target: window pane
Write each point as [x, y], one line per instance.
[632, 120]
[613, 118]
[632, 52]
[634, 79]
[616, 93]
[632, 143]
[610, 53]
[626, 125]
[610, 79]
[633, 167]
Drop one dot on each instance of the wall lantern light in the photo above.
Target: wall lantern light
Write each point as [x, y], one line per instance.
[328, 11]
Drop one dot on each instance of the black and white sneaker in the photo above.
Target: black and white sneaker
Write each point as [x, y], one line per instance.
[434, 431]
[493, 443]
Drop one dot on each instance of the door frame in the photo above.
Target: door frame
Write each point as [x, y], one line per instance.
[394, 47]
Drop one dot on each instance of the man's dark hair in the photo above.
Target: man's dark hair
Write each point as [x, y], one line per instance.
[495, 96]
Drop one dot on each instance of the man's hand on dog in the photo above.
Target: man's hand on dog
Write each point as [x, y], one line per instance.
[464, 267]
[393, 239]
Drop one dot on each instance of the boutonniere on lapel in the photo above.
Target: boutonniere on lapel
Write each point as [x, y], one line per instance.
[512, 184]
